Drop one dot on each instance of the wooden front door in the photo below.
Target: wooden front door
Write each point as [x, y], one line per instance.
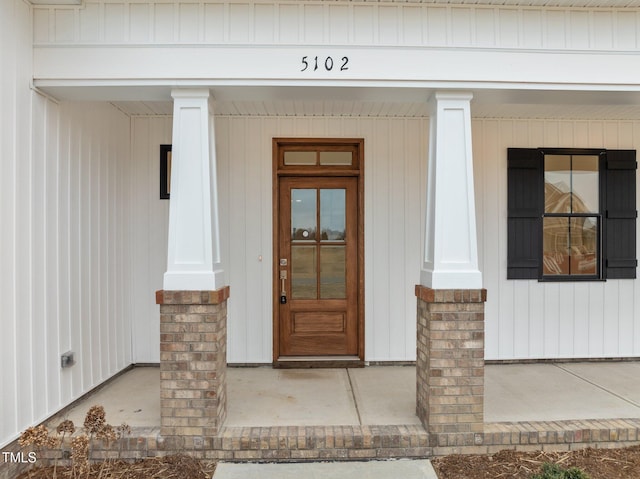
[317, 268]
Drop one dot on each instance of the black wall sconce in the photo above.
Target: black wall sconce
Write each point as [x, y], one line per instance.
[165, 172]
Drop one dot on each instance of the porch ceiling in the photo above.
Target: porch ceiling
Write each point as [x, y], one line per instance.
[526, 3]
[398, 110]
[406, 104]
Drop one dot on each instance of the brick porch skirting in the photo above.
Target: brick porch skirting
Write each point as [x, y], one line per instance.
[309, 443]
[314, 443]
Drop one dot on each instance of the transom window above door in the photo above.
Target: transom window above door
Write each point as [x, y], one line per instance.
[301, 157]
[318, 158]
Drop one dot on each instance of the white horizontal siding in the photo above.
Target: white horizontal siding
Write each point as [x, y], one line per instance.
[528, 319]
[337, 23]
[63, 277]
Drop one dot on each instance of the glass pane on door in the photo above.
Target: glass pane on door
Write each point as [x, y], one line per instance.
[304, 282]
[318, 261]
[303, 214]
[333, 272]
[332, 214]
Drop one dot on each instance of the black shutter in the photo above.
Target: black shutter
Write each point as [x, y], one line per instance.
[620, 214]
[525, 200]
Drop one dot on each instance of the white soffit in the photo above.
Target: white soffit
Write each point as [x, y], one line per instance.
[404, 104]
[391, 110]
[365, 101]
[55, 2]
[511, 3]
[524, 3]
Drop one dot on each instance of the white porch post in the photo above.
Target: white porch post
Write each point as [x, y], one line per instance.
[193, 259]
[451, 249]
[450, 298]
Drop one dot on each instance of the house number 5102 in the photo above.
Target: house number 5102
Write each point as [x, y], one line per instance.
[327, 63]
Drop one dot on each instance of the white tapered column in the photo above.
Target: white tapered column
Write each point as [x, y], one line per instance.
[193, 259]
[451, 245]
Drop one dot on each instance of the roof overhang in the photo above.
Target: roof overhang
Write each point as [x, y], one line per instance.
[398, 100]
[512, 3]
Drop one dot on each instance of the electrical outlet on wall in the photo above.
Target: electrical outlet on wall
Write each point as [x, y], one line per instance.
[67, 359]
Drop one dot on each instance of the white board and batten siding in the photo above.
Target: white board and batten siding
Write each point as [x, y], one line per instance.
[524, 319]
[64, 277]
[149, 233]
[183, 40]
[365, 23]
[528, 319]
[395, 178]
[395, 175]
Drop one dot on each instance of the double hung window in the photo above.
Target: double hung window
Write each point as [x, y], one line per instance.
[571, 214]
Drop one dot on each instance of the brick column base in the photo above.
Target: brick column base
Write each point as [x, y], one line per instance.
[193, 363]
[450, 365]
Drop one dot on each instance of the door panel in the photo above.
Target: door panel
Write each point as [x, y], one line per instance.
[318, 258]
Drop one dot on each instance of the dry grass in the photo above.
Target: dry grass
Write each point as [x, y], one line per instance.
[78, 448]
[169, 467]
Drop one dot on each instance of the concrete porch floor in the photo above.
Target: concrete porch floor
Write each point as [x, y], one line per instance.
[384, 395]
[276, 415]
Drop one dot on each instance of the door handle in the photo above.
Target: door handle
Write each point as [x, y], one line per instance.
[283, 289]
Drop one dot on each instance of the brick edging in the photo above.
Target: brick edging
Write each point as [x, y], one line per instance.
[312, 443]
[296, 443]
[192, 297]
[450, 295]
[562, 432]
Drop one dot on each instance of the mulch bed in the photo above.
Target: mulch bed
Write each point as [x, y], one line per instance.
[621, 463]
[169, 467]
